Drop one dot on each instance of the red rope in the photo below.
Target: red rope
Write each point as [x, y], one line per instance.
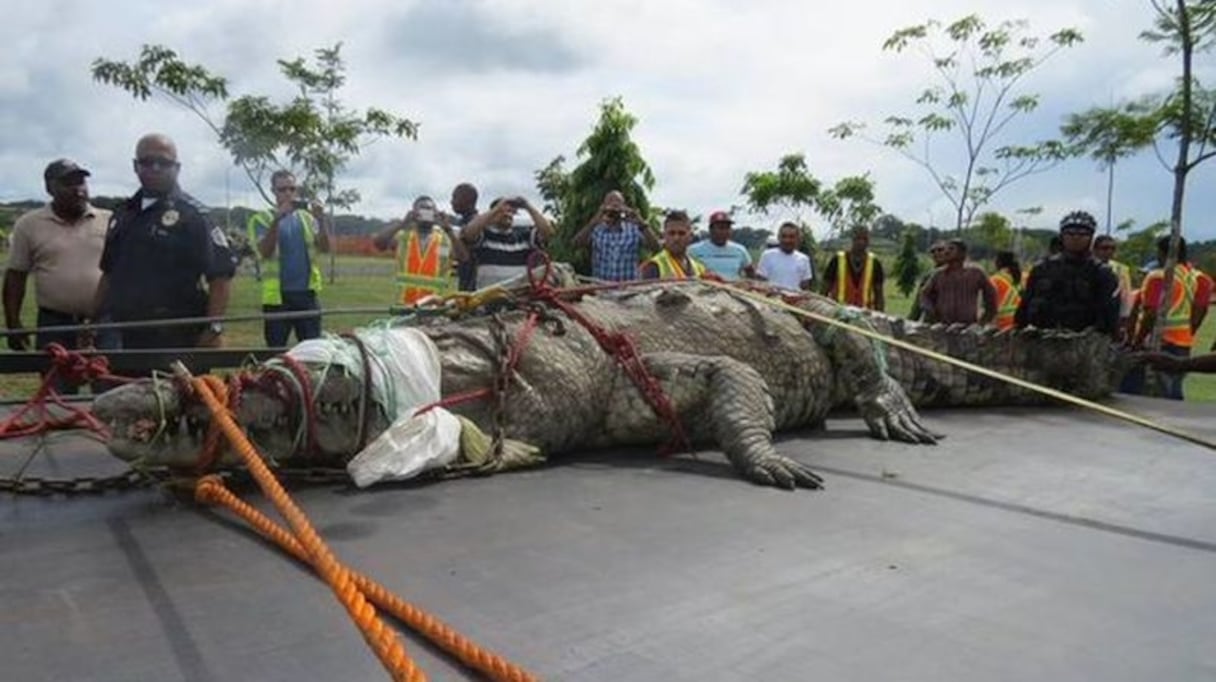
[74, 369]
[618, 345]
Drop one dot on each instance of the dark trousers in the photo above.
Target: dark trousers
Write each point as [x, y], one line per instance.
[1171, 384]
[278, 331]
[466, 272]
[106, 339]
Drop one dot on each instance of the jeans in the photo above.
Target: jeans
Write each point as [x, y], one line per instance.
[106, 339]
[277, 332]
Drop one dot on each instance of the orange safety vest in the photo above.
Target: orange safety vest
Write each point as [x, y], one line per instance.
[1008, 298]
[1177, 330]
[846, 291]
[423, 271]
[670, 268]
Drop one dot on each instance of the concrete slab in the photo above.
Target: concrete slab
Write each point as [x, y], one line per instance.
[1031, 544]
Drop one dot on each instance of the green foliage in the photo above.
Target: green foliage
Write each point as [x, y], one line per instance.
[790, 186]
[977, 71]
[991, 232]
[847, 204]
[908, 266]
[610, 160]
[313, 134]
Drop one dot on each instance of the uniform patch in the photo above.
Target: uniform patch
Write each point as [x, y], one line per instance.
[218, 236]
[170, 218]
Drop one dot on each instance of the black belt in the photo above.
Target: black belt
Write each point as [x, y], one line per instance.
[75, 318]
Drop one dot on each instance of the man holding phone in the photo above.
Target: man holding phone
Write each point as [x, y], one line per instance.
[286, 242]
[616, 234]
[424, 253]
[500, 246]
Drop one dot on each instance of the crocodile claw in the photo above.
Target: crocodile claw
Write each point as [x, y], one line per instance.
[890, 415]
[782, 472]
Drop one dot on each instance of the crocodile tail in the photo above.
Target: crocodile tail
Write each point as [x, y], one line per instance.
[1085, 364]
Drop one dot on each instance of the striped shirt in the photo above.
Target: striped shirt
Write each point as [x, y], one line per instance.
[503, 254]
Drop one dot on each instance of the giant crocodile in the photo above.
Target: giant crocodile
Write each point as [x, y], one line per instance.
[735, 370]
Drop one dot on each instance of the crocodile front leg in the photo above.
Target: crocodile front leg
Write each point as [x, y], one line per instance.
[861, 374]
[719, 400]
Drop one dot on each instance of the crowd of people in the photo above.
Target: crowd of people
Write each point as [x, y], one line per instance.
[158, 258]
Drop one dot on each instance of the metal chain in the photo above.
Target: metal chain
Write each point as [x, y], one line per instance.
[132, 479]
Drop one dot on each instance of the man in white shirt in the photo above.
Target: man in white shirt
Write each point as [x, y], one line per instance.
[786, 266]
[727, 259]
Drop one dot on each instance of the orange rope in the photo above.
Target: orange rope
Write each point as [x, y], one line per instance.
[380, 638]
[211, 490]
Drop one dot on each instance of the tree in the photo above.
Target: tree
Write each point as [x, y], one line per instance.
[611, 160]
[991, 232]
[978, 71]
[908, 266]
[790, 187]
[1107, 135]
[1186, 114]
[314, 135]
[848, 204]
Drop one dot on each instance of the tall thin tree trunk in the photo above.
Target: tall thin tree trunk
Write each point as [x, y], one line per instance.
[1180, 172]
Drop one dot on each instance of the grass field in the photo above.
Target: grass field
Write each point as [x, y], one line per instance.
[367, 282]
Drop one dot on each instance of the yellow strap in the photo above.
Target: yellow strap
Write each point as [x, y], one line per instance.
[984, 371]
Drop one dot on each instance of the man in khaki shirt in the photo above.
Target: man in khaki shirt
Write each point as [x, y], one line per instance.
[61, 244]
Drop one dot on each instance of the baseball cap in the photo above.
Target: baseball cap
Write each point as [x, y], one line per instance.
[720, 217]
[61, 168]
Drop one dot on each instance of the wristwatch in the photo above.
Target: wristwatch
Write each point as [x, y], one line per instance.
[216, 328]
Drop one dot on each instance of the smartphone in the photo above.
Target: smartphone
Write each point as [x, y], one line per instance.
[300, 204]
[517, 203]
[425, 215]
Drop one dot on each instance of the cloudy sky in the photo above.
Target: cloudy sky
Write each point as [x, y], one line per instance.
[500, 87]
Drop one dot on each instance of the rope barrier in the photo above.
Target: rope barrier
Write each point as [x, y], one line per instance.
[983, 371]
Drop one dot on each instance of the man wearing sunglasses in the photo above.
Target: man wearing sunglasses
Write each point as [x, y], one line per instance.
[160, 247]
[1071, 290]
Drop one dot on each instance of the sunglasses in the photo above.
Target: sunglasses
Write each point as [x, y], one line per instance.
[937, 250]
[156, 163]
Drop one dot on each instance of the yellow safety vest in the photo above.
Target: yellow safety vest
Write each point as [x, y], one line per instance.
[1008, 299]
[423, 269]
[846, 292]
[272, 292]
[670, 268]
[1181, 299]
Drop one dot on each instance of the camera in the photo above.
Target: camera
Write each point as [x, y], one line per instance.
[614, 214]
[299, 204]
[425, 215]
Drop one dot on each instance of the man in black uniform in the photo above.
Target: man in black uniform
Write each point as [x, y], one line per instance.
[1071, 289]
[159, 248]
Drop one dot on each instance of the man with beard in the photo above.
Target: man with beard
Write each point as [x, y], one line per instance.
[160, 246]
[785, 266]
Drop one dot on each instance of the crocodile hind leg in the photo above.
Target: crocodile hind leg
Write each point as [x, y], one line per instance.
[720, 401]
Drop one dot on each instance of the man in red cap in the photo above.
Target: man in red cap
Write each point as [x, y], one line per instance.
[727, 259]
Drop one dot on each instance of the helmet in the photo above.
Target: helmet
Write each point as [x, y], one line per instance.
[1079, 219]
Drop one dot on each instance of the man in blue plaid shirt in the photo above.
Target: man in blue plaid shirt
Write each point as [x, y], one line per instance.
[615, 234]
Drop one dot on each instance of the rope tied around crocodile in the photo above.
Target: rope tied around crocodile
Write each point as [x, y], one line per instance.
[71, 368]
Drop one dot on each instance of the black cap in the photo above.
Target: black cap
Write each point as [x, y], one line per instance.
[61, 168]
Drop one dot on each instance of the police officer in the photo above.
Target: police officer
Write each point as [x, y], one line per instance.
[1071, 289]
[159, 247]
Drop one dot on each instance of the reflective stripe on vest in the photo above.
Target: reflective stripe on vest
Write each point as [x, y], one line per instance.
[1177, 331]
[272, 288]
[846, 291]
[1008, 299]
[423, 271]
[669, 268]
